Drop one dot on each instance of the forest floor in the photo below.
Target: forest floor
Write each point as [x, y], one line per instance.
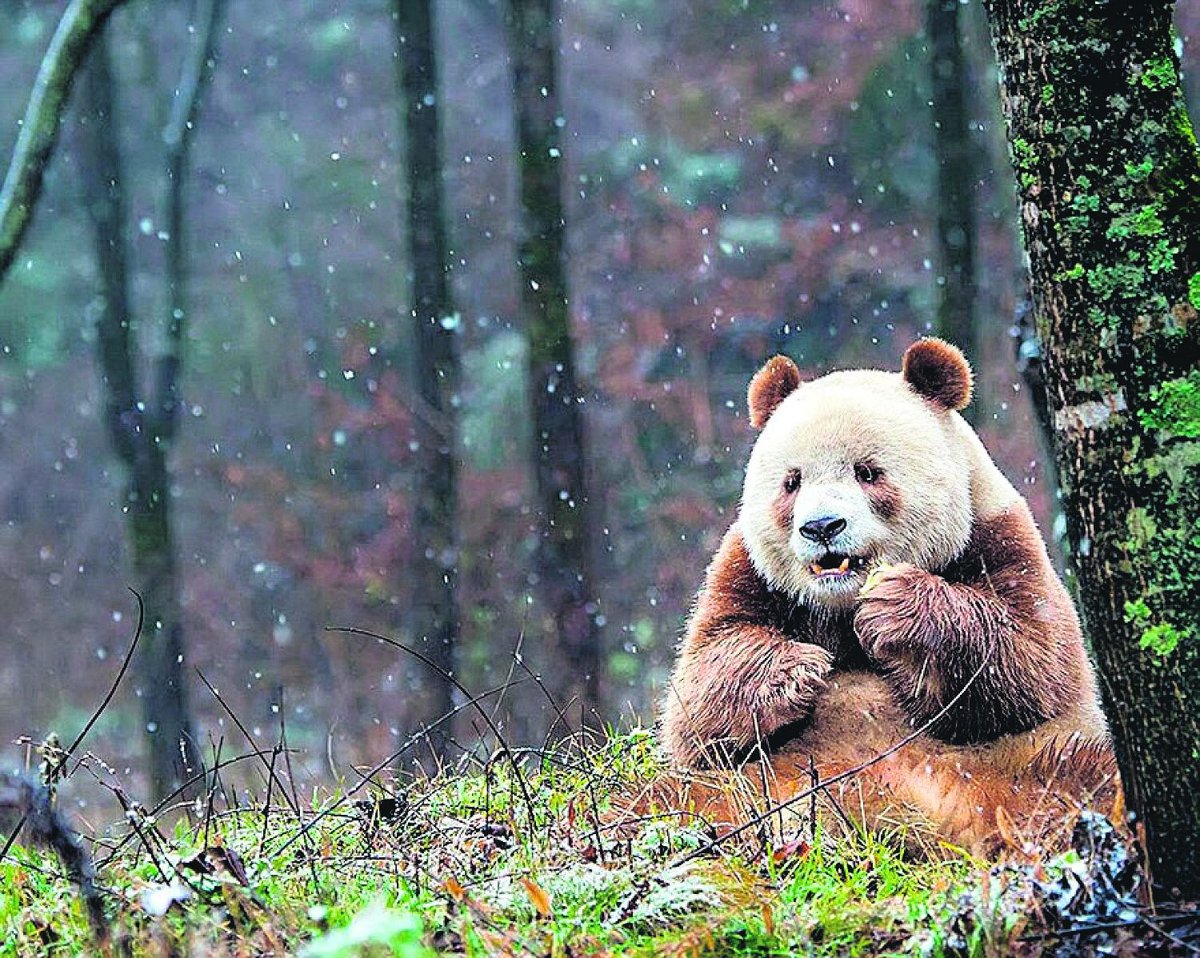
[518, 856]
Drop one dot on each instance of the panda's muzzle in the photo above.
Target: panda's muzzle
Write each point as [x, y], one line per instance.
[837, 564]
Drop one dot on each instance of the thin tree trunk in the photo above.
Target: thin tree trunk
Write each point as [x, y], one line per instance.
[178, 139]
[141, 431]
[435, 500]
[1108, 175]
[955, 201]
[81, 23]
[565, 533]
[147, 506]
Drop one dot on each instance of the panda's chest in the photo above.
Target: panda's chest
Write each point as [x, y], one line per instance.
[833, 631]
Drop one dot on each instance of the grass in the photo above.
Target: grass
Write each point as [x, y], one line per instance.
[489, 859]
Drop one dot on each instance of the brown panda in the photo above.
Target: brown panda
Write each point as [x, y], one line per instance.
[881, 566]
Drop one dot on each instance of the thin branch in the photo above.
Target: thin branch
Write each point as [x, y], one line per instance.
[78, 28]
[261, 753]
[218, 765]
[112, 689]
[178, 139]
[471, 700]
[715, 843]
[54, 773]
[380, 766]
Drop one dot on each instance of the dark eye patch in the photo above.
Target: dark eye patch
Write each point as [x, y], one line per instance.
[791, 481]
[867, 473]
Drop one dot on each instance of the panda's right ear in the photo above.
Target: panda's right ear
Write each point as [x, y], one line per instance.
[770, 386]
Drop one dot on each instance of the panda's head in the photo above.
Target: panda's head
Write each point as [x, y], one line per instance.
[856, 468]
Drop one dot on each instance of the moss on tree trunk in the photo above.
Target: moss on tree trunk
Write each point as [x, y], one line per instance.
[1108, 177]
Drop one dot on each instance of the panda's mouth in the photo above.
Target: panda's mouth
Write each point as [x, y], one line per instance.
[837, 565]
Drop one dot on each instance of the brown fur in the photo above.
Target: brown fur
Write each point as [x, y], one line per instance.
[784, 508]
[1018, 790]
[1000, 601]
[884, 498]
[740, 673]
[939, 372]
[770, 386]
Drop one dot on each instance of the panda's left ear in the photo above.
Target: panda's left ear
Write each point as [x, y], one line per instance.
[770, 386]
[939, 372]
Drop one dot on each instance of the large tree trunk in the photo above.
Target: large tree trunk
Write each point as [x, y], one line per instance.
[142, 442]
[955, 202]
[435, 611]
[1109, 180]
[564, 556]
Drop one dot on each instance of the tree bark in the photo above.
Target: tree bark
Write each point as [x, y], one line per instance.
[1108, 176]
[435, 496]
[138, 440]
[81, 23]
[955, 202]
[565, 533]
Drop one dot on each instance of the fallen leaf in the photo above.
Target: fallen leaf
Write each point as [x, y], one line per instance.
[538, 895]
[796, 848]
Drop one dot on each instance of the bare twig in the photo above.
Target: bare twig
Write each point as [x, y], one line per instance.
[711, 846]
[471, 701]
[183, 787]
[262, 753]
[57, 770]
[380, 766]
[112, 689]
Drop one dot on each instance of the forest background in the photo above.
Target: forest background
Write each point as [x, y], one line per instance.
[743, 179]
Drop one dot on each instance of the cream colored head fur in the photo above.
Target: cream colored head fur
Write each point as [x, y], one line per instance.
[861, 467]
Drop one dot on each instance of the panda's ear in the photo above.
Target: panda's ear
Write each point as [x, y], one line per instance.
[770, 386]
[939, 372]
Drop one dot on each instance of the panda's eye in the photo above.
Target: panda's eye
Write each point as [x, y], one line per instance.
[865, 472]
[791, 482]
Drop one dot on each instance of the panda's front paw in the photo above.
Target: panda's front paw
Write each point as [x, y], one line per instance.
[888, 622]
[795, 678]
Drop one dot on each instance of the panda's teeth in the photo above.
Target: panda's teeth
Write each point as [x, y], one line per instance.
[816, 568]
[845, 566]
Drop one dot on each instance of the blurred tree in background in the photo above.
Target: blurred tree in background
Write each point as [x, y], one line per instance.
[435, 364]
[950, 85]
[142, 423]
[565, 525]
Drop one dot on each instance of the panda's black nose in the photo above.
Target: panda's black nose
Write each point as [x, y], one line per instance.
[822, 530]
